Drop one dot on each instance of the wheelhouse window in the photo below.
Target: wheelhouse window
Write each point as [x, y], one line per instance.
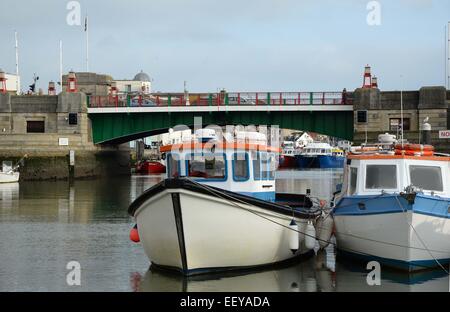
[256, 161]
[426, 177]
[206, 166]
[381, 177]
[240, 167]
[172, 167]
[268, 166]
[353, 180]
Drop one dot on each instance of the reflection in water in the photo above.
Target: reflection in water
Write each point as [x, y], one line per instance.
[313, 275]
[299, 277]
[351, 276]
[8, 193]
[44, 225]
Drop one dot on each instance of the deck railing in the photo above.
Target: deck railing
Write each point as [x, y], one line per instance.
[221, 99]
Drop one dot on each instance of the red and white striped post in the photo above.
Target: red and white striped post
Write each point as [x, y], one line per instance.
[72, 82]
[367, 80]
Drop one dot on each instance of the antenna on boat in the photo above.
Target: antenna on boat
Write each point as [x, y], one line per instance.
[401, 109]
[365, 132]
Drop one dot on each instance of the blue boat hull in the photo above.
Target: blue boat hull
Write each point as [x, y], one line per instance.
[322, 161]
[305, 162]
[330, 161]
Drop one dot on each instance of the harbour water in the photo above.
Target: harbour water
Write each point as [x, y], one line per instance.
[45, 225]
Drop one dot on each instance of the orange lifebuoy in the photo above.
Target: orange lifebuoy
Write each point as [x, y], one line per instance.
[415, 147]
[408, 152]
[367, 149]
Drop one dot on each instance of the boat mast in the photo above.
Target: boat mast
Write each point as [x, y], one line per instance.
[401, 109]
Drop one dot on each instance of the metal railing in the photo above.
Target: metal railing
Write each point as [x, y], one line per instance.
[221, 99]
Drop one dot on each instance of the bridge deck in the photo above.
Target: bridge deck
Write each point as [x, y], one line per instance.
[230, 108]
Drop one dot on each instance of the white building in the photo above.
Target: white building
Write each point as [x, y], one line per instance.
[303, 140]
[12, 83]
[141, 83]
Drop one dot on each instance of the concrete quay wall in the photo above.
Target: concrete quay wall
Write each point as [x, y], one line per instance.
[48, 151]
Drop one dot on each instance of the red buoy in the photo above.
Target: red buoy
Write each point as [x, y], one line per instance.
[134, 235]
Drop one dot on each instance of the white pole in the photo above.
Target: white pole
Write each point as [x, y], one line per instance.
[17, 63]
[445, 57]
[448, 56]
[61, 64]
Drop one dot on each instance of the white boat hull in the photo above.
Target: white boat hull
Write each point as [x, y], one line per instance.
[9, 177]
[407, 240]
[199, 233]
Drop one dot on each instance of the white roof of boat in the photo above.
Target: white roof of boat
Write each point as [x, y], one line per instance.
[318, 145]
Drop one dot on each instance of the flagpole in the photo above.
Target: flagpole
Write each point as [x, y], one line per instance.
[86, 29]
[61, 64]
[17, 62]
[448, 55]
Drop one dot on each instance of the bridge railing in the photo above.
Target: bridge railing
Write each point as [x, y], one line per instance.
[221, 99]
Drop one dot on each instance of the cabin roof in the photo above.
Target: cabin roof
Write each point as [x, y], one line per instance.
[220, 145]
[397, 157]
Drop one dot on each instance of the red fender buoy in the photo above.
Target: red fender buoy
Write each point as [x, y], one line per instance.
[134, 235]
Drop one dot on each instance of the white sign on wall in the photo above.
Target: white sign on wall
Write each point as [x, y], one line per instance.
[63, 141]
[444, 134]
[72, 157]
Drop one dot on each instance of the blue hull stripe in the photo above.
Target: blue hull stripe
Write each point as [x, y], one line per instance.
[388, 204]
[267, 196]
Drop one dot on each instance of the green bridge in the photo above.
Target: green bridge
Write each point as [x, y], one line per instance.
[119, 119]
[119, 128]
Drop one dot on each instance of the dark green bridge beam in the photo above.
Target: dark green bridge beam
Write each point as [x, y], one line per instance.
[117, 128]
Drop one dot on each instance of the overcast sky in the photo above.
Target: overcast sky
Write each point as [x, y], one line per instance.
[248, 45]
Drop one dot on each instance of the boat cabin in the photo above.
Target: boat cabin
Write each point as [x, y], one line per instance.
[317, 149]
[371, 174]
[337, 152]
[288, 148]
[244, 165]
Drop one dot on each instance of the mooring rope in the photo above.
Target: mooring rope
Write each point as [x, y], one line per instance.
[420, 239]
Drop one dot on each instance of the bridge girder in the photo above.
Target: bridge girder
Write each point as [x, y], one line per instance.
[114, 128]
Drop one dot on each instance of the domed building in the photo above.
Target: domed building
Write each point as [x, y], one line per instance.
[141, 83]
[142, 77]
